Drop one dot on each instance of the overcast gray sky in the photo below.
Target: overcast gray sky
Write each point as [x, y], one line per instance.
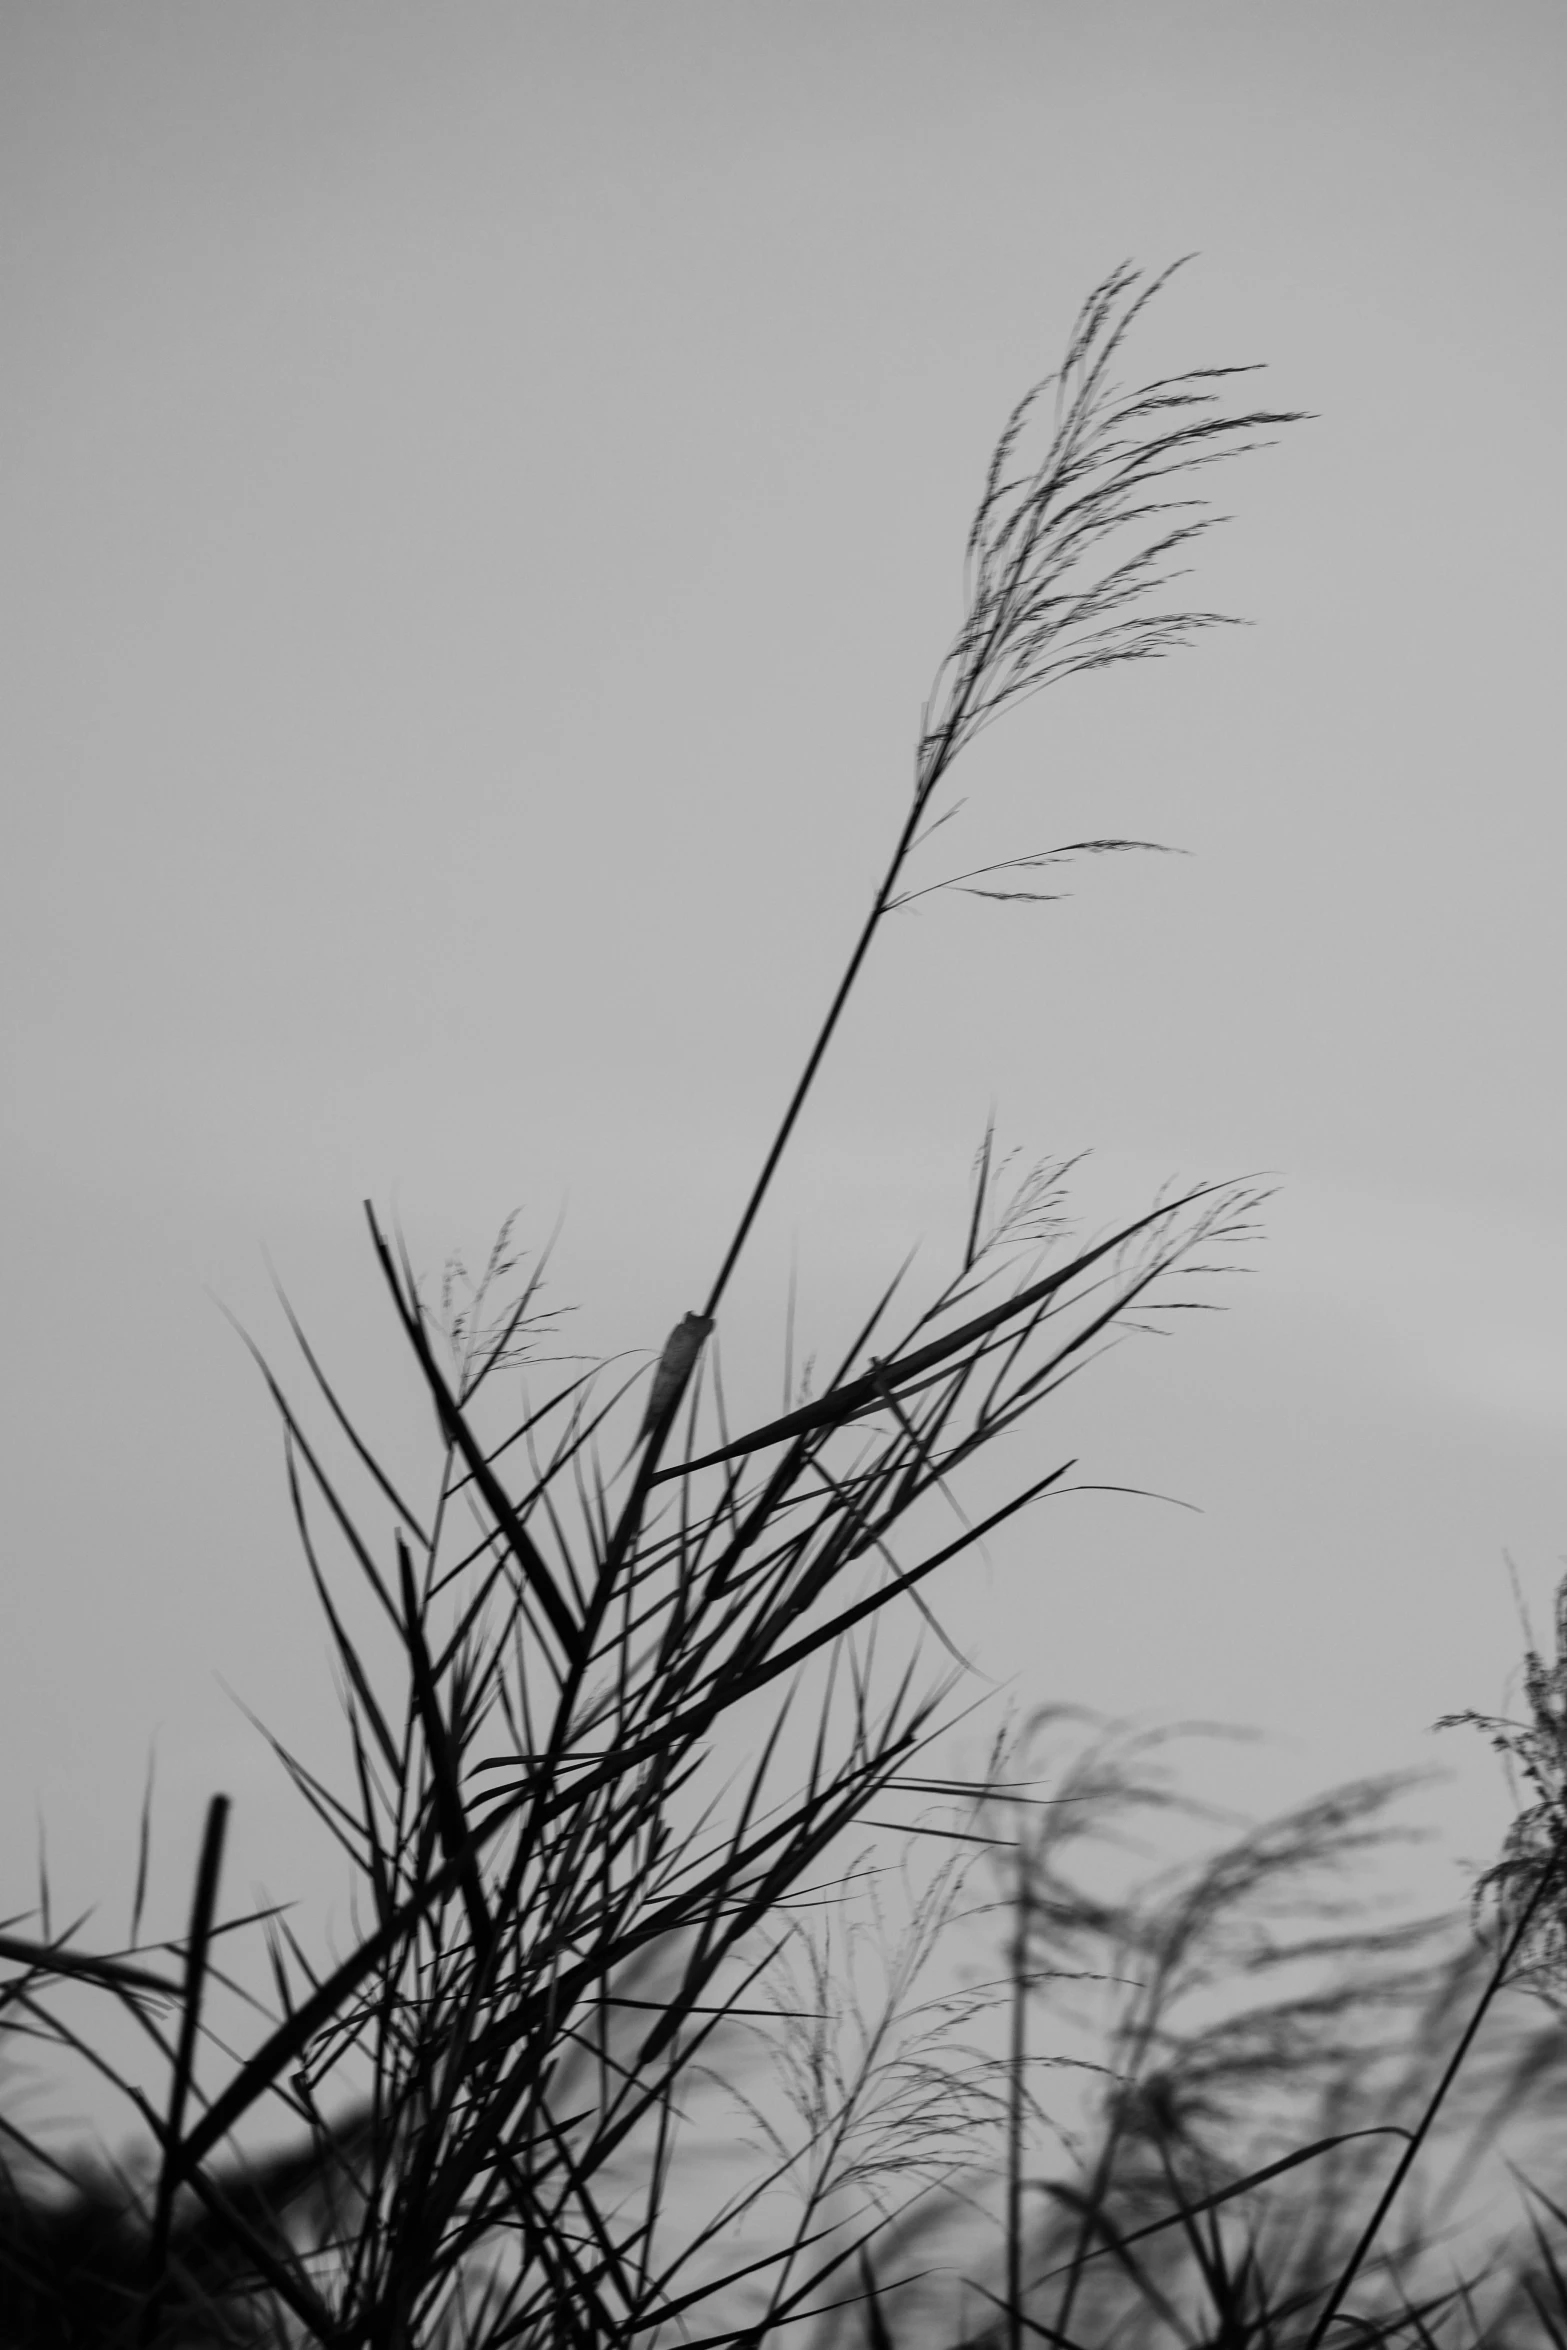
[484, 491]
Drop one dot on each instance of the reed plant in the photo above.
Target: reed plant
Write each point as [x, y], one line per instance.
[588, 1937]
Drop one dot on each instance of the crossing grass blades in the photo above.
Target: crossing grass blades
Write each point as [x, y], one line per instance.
[623, 1710]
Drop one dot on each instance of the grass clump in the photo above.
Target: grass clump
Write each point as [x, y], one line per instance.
[624, 1705]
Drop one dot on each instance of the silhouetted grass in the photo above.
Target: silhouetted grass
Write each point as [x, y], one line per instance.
[588, 1934]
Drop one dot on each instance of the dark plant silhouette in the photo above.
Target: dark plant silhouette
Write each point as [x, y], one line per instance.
[626, 1704]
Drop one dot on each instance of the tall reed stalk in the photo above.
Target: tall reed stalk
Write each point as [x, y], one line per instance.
[573, 1897]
